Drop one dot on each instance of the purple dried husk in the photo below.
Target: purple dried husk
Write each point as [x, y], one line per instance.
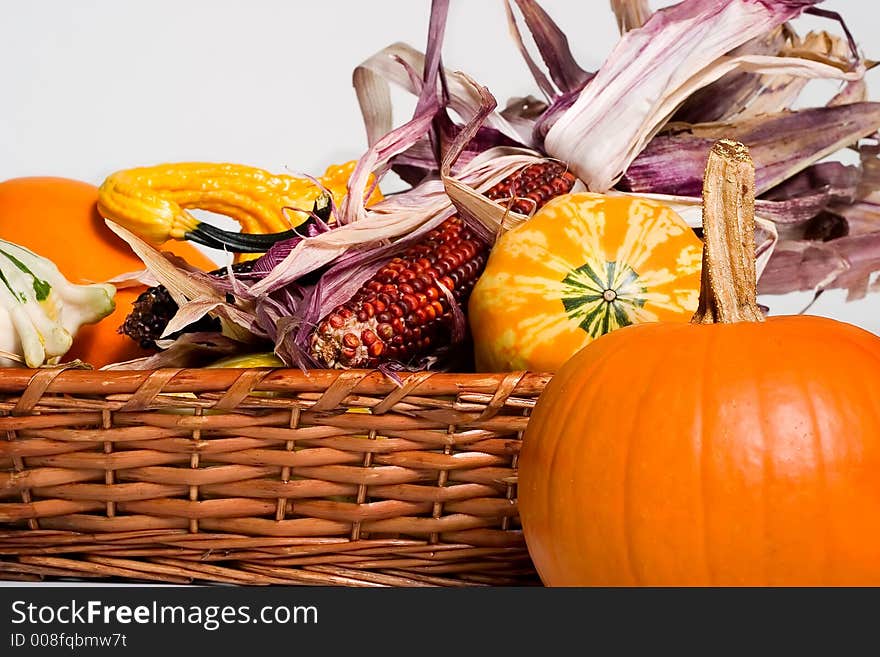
[732, 93]
[553, 46]
[806, 195]
[522, 112]
[569, 78]
[781, 145]
[862, 255]
[556, 109]
[631, 14]
[280, 250]
[843, 181]
[744, 95]
[420, 160]
[839, 248]
[845, 263]
[801, 266]
[654, 69]
[346, 274]
[862, 217]
[280, 314]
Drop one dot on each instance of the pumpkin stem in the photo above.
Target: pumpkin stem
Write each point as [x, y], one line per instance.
[728, 289]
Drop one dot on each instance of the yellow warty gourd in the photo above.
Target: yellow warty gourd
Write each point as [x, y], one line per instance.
[153, 202]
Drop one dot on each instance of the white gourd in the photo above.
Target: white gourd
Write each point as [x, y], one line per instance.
[40, 310]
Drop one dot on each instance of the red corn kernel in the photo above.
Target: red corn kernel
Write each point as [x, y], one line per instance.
[411, 302]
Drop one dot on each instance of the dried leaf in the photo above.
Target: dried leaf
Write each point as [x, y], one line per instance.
[846, 263]
[654, 69]
[396, 65]
[553, 46]
[133, 279]
[854, 91]
[186, 286]
[801, 266]
[810, 192]
[541, 80]
[781, 145]
[734, 93]
[488, 218]
[630, 14]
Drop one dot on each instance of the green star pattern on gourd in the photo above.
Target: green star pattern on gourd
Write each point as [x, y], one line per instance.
[600, 301]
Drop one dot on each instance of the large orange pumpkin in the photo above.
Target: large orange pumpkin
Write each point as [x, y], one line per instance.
[733, 450]
[57, 218]
[583, 265]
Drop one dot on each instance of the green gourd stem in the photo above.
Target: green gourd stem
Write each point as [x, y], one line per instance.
[728, 289]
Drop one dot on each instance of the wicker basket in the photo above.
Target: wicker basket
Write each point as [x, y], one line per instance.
[263, 476]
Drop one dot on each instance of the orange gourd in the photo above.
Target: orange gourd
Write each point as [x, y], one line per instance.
[583, 265]
[733, 450]
[57, 218]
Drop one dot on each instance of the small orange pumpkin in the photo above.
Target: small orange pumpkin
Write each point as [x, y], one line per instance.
[57, 218]
[732, 450]
[583, 265]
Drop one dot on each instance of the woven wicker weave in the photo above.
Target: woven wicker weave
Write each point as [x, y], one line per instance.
[262, 476]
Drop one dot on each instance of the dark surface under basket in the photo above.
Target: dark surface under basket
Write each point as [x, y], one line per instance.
[263, 476]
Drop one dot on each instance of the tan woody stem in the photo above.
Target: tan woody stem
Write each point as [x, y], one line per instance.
[728, 290]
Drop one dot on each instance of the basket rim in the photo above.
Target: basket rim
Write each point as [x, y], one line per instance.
[85, 381]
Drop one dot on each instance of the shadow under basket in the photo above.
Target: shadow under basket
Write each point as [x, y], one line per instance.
[263, 476]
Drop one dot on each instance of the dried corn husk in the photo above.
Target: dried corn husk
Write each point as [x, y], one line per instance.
[782, 145]
[654, 69]
[630, 14]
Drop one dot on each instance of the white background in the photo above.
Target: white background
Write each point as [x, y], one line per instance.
[92, 86]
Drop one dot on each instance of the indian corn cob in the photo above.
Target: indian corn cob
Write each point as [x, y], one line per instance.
[403, 312]
[154, 308]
